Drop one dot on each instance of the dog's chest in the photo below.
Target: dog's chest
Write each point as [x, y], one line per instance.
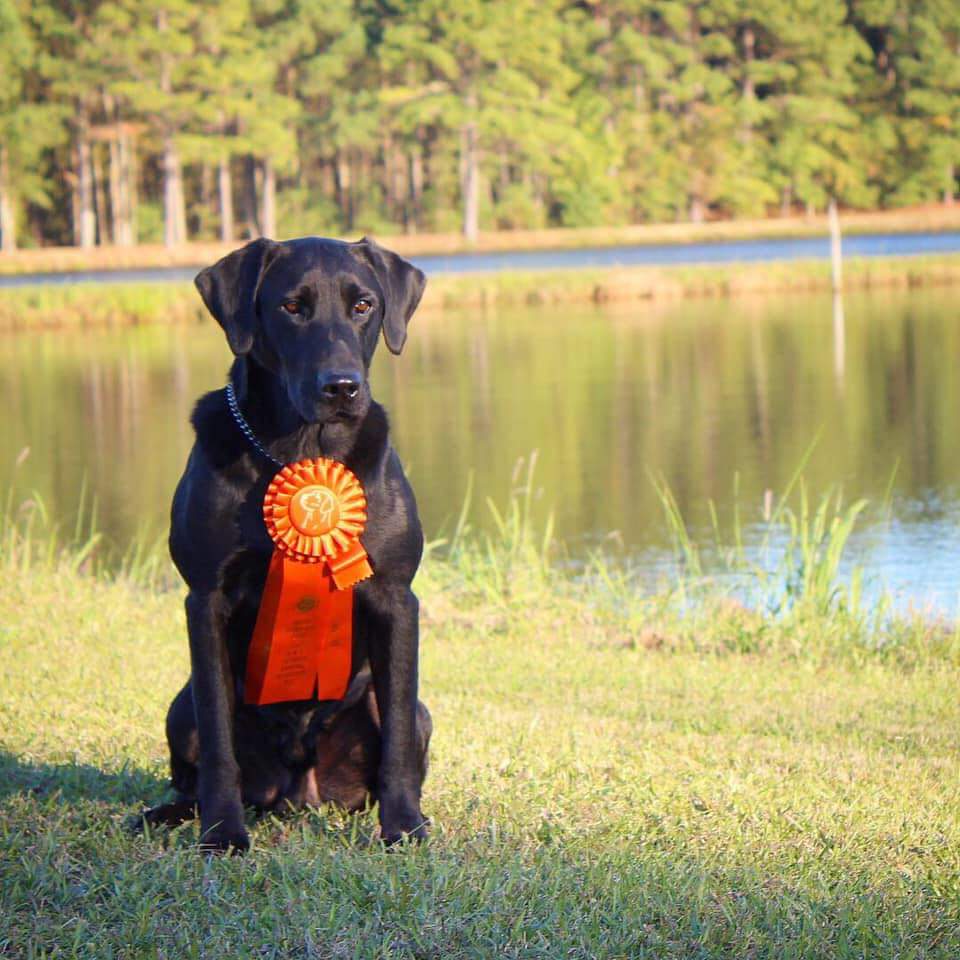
[288, 732]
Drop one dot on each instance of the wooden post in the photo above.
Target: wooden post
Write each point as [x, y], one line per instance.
[836, 250]
[836, 273]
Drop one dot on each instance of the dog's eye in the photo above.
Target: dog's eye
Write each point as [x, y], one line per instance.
[362, 307]
[290, 306]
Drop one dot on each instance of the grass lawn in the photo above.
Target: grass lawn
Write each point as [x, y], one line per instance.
[612, 776]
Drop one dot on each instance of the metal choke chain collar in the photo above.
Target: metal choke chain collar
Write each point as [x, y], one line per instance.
[245, 428]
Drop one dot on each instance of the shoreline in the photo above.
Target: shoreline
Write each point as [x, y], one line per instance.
[117, 305]
[929, 219]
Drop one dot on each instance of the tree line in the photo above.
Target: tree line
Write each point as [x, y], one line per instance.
[127, 121]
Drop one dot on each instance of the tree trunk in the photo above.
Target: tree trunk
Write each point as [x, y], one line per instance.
[206, 197]
[948, 192]
[393, 177]
[250, 208]
[174, 211]
[341, 175]
[87, 230]
[99, 194]
[119, 223]
[749, 41]
[786, 200]
[86, 227]
[269, 218]
[116, 202]
[8, 227]
[416, 186]
[74, 205]
[128, 191]
[225, 188]
[470, 173]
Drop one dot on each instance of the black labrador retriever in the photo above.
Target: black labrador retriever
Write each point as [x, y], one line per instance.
[303, 318]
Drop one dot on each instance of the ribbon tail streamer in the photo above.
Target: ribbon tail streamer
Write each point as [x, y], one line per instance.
[302, 642]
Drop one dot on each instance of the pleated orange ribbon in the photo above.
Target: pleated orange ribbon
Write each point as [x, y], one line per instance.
[315, 511]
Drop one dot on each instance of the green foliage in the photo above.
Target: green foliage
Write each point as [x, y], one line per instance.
[420, 115]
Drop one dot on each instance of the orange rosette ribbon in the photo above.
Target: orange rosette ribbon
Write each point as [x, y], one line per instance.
[315, 511]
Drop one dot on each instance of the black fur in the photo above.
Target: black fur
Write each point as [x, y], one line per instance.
[372, 745]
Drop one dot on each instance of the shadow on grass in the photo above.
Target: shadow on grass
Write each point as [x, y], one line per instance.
[134, 790]
[74, 782]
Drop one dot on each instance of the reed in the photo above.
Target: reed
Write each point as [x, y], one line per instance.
[787, 585]
[98, 305]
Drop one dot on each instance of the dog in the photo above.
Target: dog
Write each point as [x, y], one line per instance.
[302, 318]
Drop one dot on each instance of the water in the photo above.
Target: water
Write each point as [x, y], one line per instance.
[704, 393]
[727, 251]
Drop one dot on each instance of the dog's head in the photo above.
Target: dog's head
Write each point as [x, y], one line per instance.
[311, 311]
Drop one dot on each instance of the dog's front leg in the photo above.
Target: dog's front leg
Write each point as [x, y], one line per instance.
[218, 788]
[393, 658]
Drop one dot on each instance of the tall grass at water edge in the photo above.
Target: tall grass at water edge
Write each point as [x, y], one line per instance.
[792, 589]
[109, 305]
[32, 541]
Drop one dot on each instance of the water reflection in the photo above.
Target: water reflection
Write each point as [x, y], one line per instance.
[698, 392]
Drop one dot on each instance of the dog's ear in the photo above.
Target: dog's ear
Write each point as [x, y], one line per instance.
[229, 290]
[402, 284]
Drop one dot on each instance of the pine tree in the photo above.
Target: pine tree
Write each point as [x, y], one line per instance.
[497, 82]
[337, 115]
[15, 50]
[151, 52]
[916, 51]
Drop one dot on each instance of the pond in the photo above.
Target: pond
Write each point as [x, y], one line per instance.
[647, 254]
[714, 396]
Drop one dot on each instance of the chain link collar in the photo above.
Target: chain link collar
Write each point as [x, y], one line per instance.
[245, 428]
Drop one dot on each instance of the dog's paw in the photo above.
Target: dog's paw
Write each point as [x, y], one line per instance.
[173, 814]
[403, 827]
[221, 838]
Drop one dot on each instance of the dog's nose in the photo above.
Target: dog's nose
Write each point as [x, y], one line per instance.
[340, 385]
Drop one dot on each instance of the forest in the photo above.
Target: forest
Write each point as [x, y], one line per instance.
[134, 121]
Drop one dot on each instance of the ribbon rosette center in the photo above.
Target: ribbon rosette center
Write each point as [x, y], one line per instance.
[314, 510]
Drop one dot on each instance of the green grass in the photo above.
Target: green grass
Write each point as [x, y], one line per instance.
[615, 772]
[109, 305]
[99, 305]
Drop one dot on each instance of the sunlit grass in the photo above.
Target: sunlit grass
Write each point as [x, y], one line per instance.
[618, 770]
[98, 305]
